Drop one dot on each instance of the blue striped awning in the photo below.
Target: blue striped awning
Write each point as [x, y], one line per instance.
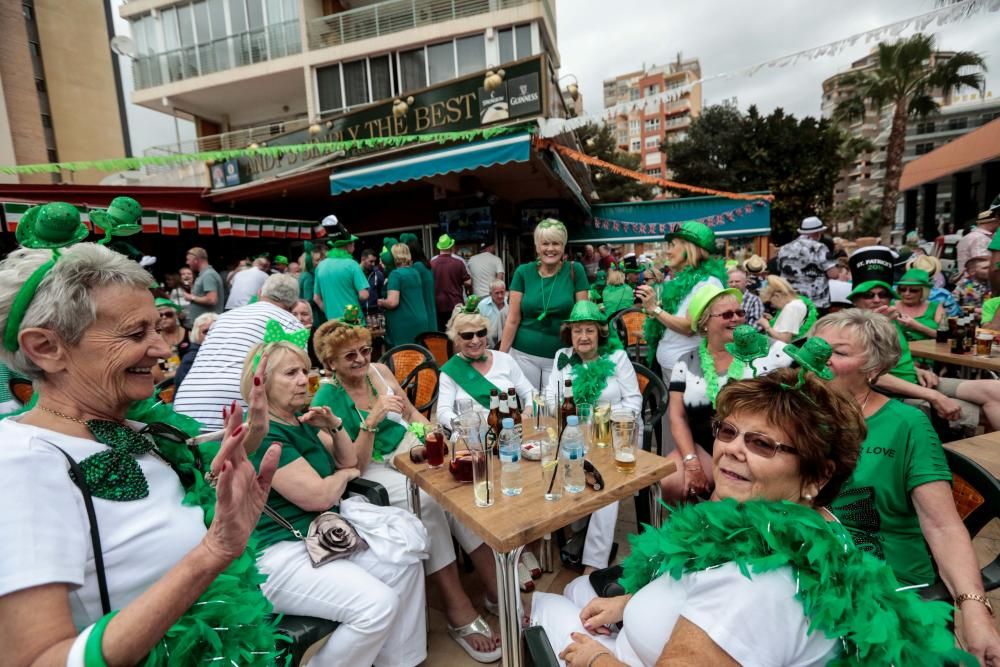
[473, 155]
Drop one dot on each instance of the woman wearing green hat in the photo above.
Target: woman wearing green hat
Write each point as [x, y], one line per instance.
[599, 372]
[542, 294]
[617, 295]
[691, 256]
[919, 317]
[697, 378]
[175, 335]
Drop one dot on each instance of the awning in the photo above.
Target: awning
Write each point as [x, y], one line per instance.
[474, 155]
[966, 152]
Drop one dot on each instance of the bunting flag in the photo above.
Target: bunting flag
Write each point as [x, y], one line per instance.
[292, 231]
[253, 228]
[12, 214]
[224, 225]
[662, 228]
[85, 216]
[239, 227]
[189, 221]
[267, 229]
[170, 224]
[150, 222]
[206, 225]
[279, 229]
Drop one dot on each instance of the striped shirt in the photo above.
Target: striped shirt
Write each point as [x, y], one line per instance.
[214, 380]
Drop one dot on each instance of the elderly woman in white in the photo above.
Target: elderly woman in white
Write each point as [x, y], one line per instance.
[597, 373]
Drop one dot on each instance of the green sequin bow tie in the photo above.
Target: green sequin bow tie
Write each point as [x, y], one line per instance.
[564, 360]
[114, 474]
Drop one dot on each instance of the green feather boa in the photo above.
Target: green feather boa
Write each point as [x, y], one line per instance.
[234, 600]
[674, 292]
[339, 253]
[589, 380]
[845, 593]
[811, 316]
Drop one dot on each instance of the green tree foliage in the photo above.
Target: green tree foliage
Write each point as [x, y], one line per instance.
[599, 141]
[796, 160]
[906, 80]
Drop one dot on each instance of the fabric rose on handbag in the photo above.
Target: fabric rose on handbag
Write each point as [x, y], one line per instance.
[331, 538]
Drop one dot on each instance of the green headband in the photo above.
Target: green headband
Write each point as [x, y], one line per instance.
[551, 223]
[275, 333]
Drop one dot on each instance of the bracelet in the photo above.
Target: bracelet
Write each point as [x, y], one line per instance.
[368, 429]
[689, 457]
[93, 653]
[593, 658]
[977, 598]
[336, 429]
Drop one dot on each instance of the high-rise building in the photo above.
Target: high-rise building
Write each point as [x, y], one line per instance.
[60, 98]
[645, 128]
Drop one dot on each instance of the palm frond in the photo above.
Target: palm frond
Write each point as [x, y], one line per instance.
[922, 106]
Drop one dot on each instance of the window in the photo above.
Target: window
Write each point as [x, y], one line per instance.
[652, 125]
[355, 83]
[635, 146]
[381, 78]
[505, 39]
[622, 139]
[654, 172]
[328, 83]
[441, 62]
[921, 149]
[958, 123]
[633, 126]
[522, 39]
[652, 142]
[652, 90]
[412, 70]
[987, 117]
[471, 54]
[925, 128]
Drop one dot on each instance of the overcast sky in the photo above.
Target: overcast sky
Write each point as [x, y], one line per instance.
[600, 40]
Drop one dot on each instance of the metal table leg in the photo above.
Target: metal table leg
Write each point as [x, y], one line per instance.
[655, 507]
[413, 496]
[508, 596]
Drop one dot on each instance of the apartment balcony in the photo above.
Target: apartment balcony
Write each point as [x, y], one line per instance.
[393, 16]
[246, 48]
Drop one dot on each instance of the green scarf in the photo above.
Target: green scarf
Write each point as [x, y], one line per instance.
[811, 316]
[845, 593]
[390, 433]
[589, 379]
[468, 378]
[674, 292]
[339, 253]
[232, 619]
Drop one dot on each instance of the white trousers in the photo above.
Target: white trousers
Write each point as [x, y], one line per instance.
[560, 615]
[536, 369]
[381, 606]
[600, 536]
[440, 525]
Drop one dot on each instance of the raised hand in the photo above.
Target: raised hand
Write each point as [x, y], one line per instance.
[320, 416]
[258, 420]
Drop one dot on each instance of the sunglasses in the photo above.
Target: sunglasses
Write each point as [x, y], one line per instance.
[592, 476]
[882, 295]
[758, 443]
[469, 335]
[361, 353]
[904, 289]
[168, 315]
[730, 314]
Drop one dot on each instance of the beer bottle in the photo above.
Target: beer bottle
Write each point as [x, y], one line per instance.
[493, 420]
[504, 414]
[514, 403]
[568, 406]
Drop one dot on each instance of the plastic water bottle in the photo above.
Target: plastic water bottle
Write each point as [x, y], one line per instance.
[510, 459]
[572, 456]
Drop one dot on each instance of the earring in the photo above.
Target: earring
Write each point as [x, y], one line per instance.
[808, 496]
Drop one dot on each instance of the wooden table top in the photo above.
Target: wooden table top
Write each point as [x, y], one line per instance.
[930, 349]
[514, 521]
[983, 449]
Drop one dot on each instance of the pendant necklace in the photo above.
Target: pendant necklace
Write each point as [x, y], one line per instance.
[545, 301]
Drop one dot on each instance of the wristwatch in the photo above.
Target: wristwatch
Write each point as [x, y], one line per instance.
[978, 598]
[689, 457]
[656, 311]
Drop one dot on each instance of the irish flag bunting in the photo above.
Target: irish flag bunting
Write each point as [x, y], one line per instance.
[224, 225]
[170, 224]
[189, 221]
[12, 214]
[206, 225]
[292, 231]
[239, 227]
[279, 229]
[267, 229]
[150, 222]
[253, 228]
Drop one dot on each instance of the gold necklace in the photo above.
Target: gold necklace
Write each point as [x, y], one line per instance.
[67, 417]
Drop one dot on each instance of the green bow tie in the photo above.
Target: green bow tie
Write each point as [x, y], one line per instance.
[563, 360]
[114, 474]
[482, 357]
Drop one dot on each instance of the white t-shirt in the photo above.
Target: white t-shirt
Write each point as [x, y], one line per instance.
[246, 284]
[484, 269]
[622, 389]
[504, 373]
[47, 533]
[839, 289]
[791, 317]
[674, 345]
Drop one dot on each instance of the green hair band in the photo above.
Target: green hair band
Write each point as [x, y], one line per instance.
[23, 300]
[275, 333]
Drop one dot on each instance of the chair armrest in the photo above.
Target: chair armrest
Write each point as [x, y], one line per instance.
[539, 647]
[647, 437]
[302, 632]
[373, 491]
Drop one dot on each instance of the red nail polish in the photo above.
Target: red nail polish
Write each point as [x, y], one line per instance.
[256, 382]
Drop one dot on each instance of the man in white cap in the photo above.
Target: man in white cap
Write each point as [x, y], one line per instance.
[977, 241]
[805, 262]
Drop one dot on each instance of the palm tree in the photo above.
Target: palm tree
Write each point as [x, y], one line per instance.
[908, 76]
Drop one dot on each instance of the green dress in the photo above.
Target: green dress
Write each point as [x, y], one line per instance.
[900, 453]
[545, 303]
[297, 442]
[400, 322]
[429, 318]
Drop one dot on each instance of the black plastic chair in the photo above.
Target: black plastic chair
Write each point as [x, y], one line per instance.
[977, 498]
[302, 632]
[654, 406]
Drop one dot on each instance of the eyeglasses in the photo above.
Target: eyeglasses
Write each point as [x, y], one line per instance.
[758, 443]
[361, 353]
[730, 314]
[168, 315]
[881, 295]
[906, 289]
[469, 335]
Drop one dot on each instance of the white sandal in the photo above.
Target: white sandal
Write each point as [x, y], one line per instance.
[529, 560]
[524, 578]
[477, 627]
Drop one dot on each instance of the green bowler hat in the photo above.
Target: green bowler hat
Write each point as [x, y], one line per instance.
[160, 302]
[917, 277]
[700, 300]
[52, 225]
[748, 344]
[121, 217]
[280, 259]
[586, 311]
[813, 356]
[445, 242]
[697, 233]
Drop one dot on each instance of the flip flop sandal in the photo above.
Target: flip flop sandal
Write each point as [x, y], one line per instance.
[532, 564]
[524, 578]
[477, 627]
[494, 608]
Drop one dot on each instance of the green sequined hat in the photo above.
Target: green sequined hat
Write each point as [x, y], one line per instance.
[813, 356]
[697, 233]
[748, 344]
[120, 219]
[600, 278]
[352, 316]
[471, 304]
[53, 225]
[586, 311]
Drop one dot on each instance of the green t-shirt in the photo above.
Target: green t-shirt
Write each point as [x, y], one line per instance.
[429, 320]
[338, 281]
[616, 297]
[399, 322]
[902, 451]
[904, 370]
[990, 307]
[296, 442]
[554, 296]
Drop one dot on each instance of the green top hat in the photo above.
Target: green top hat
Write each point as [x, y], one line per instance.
[445, 242]
[280, 259]
[813, 356]
[704, 296]
[601, 278]
[917, 277]
[748, 344]
[630, 265]
[407, 237]
[352, 316]
[871, 267]
[120, 219]
[160, 302]
[52, 225]
[471, 304]
[339, 236]
[697, 233]
[586, 311]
